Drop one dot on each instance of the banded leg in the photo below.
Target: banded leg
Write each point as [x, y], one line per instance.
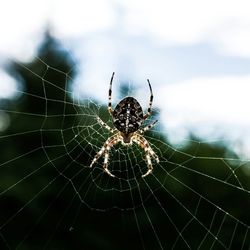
[148, 127]
[150, 166]
[105, 164]
[150, 102]
[105, 125]
[103, 149]
[143, 143]
[106, 157]
[110, 95]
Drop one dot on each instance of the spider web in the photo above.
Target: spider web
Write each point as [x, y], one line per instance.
[196, 198]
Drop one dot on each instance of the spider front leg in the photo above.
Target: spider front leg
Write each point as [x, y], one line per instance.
[143, 143]
[105, 164]
[98, 155]
[106, 157]
[150, 166]
[105, 150]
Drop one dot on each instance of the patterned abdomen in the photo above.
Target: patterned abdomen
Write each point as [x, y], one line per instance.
[128, 115]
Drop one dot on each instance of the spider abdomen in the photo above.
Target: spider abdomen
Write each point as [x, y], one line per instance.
[128, 115]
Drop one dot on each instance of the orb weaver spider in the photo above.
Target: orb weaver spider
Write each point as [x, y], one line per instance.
[127, 119]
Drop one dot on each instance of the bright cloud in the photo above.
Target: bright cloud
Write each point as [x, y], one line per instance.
[76, 18]
[225, 24]
[210, 106]
[225, 99]
[7, 85]
[21, 24]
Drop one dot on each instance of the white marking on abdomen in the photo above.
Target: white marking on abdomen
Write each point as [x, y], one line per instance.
[127, 118]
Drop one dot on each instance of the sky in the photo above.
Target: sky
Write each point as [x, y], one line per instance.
[195, 53]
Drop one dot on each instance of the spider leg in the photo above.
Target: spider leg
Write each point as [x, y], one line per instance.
[114, 141]
[150, 102]
[150, 166]
[98, 155]
[105, 164]
[105, 150]
[110, 95]
[105, 125]
[148, 127]
[143, 143]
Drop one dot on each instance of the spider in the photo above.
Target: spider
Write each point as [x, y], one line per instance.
[127, 119]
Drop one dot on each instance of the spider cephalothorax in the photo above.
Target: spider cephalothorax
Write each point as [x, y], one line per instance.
[127, 118]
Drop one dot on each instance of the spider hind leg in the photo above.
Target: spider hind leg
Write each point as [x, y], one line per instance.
[150, 102]
[110, 95]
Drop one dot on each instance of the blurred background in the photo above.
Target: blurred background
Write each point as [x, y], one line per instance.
[56, 60]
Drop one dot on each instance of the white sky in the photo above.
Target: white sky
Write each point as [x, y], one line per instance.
[196, 54]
